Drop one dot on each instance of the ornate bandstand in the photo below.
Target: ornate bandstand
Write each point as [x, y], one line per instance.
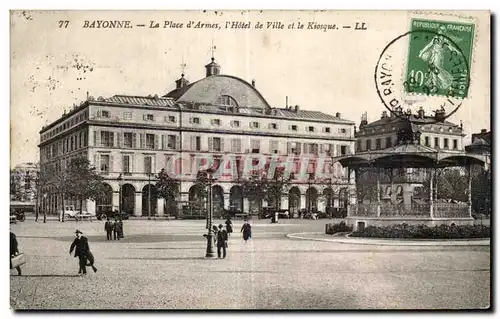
[402, 183]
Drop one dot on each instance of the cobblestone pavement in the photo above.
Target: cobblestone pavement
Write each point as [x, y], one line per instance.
[161, 265]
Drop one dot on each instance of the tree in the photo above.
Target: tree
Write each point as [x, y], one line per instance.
[168, 188]
[254, 188]
[451, 184]
[84, 183]
[481, 192]
[16, 191]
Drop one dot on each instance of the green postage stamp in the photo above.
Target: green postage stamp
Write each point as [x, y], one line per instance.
[439, 58]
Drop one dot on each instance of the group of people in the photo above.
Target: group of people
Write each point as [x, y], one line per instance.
[114, 230]
[222, 235]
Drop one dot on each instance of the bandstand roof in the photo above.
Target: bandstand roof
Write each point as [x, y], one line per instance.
[411, 155]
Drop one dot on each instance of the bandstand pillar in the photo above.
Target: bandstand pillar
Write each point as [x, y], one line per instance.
[469, 188]
[431, 196]
[378, 192]
[348, 192]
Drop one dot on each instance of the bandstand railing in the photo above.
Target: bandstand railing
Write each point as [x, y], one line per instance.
[369, 210]
[447, 210]
[402, 210]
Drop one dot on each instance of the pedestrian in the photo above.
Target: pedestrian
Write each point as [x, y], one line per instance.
[221, 241]
[120, 229]
[14, 250]
[109, 227]
[229, 226]
[116, 230]
[247, 231]
[82, 251]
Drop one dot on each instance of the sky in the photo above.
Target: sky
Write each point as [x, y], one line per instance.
[54, 64]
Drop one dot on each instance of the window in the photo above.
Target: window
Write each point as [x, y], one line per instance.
[216, 122]
[368, 145]
[127, 115]
[255, 146]
[436, 142]
[195, 120]
[254, 124]
[293, 127]
[446, 145]
[226, 100]
[126, 165]
[426, 141]
[294, 148]
[273, 147]
[273, 126]
[104, 163]
[150, 141]
[235, 123]
[128, 139]
[171, 141]
[455, 144]
[358, 145]
[388, 142]
[149, 117]
[170, 119]
[236, 145]
[378, 144]
[197, 143]
[310, 128]
[103, 114]
[148, 164]
[327, 130]
[217, 144]
[107, 138]
[343, 150]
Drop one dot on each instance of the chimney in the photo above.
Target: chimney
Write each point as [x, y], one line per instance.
[384, 115]
[253, 83]
[337, 115]
[297, 108]
[484, 130]
[286, 101]
[364, 120]
[421, 113]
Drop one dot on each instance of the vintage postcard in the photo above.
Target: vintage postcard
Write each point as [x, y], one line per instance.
[250, 160]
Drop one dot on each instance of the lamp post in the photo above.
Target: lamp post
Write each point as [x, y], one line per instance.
[309, 182]
[120, 203]
[210, 248]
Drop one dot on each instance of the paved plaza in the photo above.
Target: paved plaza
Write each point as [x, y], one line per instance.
[161, 265]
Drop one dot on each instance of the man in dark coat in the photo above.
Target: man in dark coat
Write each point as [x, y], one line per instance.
[229, 226]
[116, 230]
[82, 251]
[14, 250]
[108, 227]
[221, 241]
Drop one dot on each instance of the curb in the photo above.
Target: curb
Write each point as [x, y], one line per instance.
[390, 242]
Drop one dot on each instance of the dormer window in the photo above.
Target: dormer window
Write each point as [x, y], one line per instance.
[226, 100]
[105, 114]
[216, 122]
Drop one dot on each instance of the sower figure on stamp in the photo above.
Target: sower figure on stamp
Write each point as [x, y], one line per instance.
[82, 251]
[221, 241]
[109, 227]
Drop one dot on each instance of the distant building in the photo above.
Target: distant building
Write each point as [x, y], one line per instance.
[23, 182]
[481, 144]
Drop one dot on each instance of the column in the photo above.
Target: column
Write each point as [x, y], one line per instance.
[116, 200]
[91, 207]
[469, 188]
[246, 205]
[393, 193]
[138, 204]
[284, 202]
[227, 197]
[349, 207]
[303, 202]
[161, 206]
[322, 205]
[378, 191]
[431, 190]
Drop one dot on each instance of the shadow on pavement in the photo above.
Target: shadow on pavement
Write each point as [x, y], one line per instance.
[34, 276]
[161, 258]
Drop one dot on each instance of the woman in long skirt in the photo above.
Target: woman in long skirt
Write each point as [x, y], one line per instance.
[229, 226]
[246, 229]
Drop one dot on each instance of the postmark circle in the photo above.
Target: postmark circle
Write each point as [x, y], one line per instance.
[445, 82]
